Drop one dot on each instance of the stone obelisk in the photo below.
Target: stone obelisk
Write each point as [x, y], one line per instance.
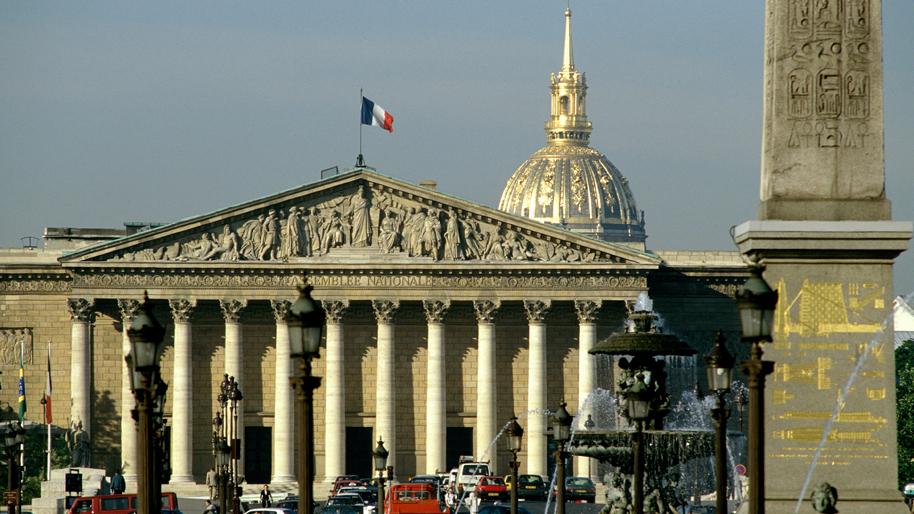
[826, 237]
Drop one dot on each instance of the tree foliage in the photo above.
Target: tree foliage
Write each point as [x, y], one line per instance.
[904, 388]
[36, 443]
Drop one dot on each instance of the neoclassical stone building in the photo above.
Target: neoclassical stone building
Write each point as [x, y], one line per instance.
[445, 317]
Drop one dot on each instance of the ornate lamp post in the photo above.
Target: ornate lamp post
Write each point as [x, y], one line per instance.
[719, 365]
[515, 433]
[561, 433]
[13, 437]
[589, 425]
[380, 464]
[233, 396]
[306, 325]
[741, 402]
[146, 335]
[638, 400]
[756, 302]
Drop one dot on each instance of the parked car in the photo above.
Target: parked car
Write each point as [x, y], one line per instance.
[345, 481]
[500, 508]
[491, 488]
[115, 503]
[414, 499]
[345, 499]
[269, 510]
[580, 489]
[529, 488]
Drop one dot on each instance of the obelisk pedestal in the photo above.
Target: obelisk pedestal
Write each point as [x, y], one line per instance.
[825, 236]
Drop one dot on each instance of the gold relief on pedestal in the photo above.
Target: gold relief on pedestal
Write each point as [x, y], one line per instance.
[823, 308]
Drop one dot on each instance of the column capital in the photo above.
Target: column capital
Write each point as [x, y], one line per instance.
[281, 310]
[128, 308]
[81, 309]
[587, 310]
[231, 308]
[435, 310]
[536, 310]
[384, 310]
[335, 309]
[182, 308]
[485, 310]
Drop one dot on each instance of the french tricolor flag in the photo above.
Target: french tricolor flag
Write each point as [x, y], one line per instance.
[374, 114]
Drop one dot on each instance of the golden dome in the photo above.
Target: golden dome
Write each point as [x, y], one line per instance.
[566, 182]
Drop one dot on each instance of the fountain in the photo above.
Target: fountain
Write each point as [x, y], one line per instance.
[640, 346]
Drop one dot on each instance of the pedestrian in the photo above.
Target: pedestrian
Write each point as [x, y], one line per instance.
[211, 483]
[209, 508]
[266, 499]
[118, 484]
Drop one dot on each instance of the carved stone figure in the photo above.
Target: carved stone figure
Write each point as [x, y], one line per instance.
[251, 234]
[360, 214]
[431, 235]
[315, 227]
[80, 453]
[270, 243]
[475, 242]
[453, 250]
[307, 232]
[412, 231]
[334, 232]
[389, 236]
[227, 248]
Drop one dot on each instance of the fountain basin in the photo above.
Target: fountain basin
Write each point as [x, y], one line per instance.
[663, 448]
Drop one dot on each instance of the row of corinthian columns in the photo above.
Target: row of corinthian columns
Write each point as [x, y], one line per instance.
[488, 420]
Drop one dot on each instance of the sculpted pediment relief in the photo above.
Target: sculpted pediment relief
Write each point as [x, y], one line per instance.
[363, 219]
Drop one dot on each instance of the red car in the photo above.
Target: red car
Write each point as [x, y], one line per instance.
[491, 488]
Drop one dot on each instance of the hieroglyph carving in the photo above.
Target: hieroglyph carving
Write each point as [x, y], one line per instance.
[369, 218]
[588, 310]
[485, 310]
[536, 310]
[435, 310]
[182, 309]
[828, 90]
[231, 309]
[335, 309]
[384, 310]
[81, 309]
[13, 343]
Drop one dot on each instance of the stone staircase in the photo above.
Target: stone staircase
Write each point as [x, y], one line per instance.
[53, 492]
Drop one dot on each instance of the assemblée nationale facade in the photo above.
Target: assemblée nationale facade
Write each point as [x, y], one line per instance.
[445, 317]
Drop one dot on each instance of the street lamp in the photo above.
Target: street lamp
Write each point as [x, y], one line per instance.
[233, 396]
[13, 437]
[756, 302]
[638, 400]
[380, 464]
[719, 365]
[146, 335]
[306, 326]
[515, 433]
[741, 402]
[561, 433]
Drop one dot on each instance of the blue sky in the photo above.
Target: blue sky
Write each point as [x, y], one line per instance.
[157, 111]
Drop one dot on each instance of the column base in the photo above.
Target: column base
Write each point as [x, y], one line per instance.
[182, 480]
[283, 479]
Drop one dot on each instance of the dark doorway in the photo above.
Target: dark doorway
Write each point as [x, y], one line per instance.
[258, 454]
[358, 451]
[459, 442]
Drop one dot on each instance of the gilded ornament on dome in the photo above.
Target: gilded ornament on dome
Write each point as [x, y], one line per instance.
[547, 188]
[578, 187]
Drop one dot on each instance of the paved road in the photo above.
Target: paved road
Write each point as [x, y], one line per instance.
[570, 508]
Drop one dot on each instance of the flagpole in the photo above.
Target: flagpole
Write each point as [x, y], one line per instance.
[47, 418]
[360, 160]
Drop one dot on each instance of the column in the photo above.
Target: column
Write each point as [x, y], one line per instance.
[234, 364]
[536, 387]
[82, 315]
[435, 388]
[182, 410]
[386, 401]
[486, 393]
[588, 311]
[283, 399]
[335, 392]
[128, 309]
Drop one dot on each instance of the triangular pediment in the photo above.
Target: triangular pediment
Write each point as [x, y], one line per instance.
[359, 216]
